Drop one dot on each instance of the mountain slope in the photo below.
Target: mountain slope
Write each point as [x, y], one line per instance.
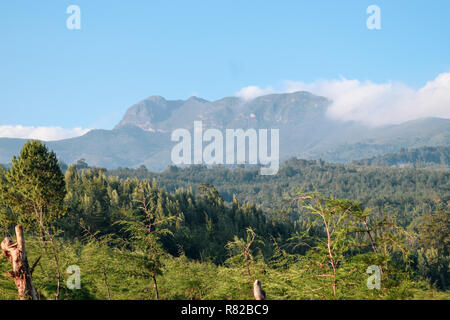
[128, 146]
[424, 157]
[143, 135]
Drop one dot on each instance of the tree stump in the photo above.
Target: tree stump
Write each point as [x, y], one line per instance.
[258, 292]
[21, 271]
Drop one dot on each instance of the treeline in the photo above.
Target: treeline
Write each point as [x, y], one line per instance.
[424, 157]
[175, 236]
[407, 192]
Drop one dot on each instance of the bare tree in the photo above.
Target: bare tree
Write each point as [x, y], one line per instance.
[21, 272]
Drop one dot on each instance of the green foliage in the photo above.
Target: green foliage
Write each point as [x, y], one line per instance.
[407, 192]
[434, 252]
[141, 235]
[435, 157]
[34, 188]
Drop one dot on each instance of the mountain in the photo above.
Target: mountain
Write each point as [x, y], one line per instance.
[142, 137]
[159, 115]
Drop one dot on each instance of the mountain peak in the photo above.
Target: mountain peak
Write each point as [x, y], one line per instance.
[144, 134]
[157, 99]
[148, 111]
[158, 114]
[197, 99]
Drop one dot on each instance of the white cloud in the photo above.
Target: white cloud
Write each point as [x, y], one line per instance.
[40, 133]
[252, 92]
[378, 104]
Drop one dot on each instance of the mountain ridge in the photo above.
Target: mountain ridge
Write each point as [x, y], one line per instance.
[142, 137]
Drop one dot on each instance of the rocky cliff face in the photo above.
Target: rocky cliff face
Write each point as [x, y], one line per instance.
[143, 135]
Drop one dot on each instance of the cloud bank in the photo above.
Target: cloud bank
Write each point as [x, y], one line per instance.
[376, 104]
[40, 133]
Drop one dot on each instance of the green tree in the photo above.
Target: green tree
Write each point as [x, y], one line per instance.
[145, 235]
[341, 235]
[434, 251]
[34, 190]
[241, 253]
[34, 187]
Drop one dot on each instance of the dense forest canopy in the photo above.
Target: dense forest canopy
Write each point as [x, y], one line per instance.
[208, 233]
[425, 157]
[407, 192]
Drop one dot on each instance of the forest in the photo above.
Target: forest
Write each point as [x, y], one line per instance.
[313, 231]
[424, 157]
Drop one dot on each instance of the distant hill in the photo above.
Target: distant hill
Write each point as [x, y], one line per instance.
[143, 135]
[128, 146]
[425, 157]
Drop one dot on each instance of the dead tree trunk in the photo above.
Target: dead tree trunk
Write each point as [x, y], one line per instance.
[258, 292]
[155, 286]
[21, 271]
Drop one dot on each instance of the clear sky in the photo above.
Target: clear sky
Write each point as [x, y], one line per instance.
[129, 50]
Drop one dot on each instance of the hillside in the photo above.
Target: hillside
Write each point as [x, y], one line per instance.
[143, 135]
[187, 229]
[404, 191]
[425, 157]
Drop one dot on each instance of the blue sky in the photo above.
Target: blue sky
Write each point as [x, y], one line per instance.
[129, 50]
